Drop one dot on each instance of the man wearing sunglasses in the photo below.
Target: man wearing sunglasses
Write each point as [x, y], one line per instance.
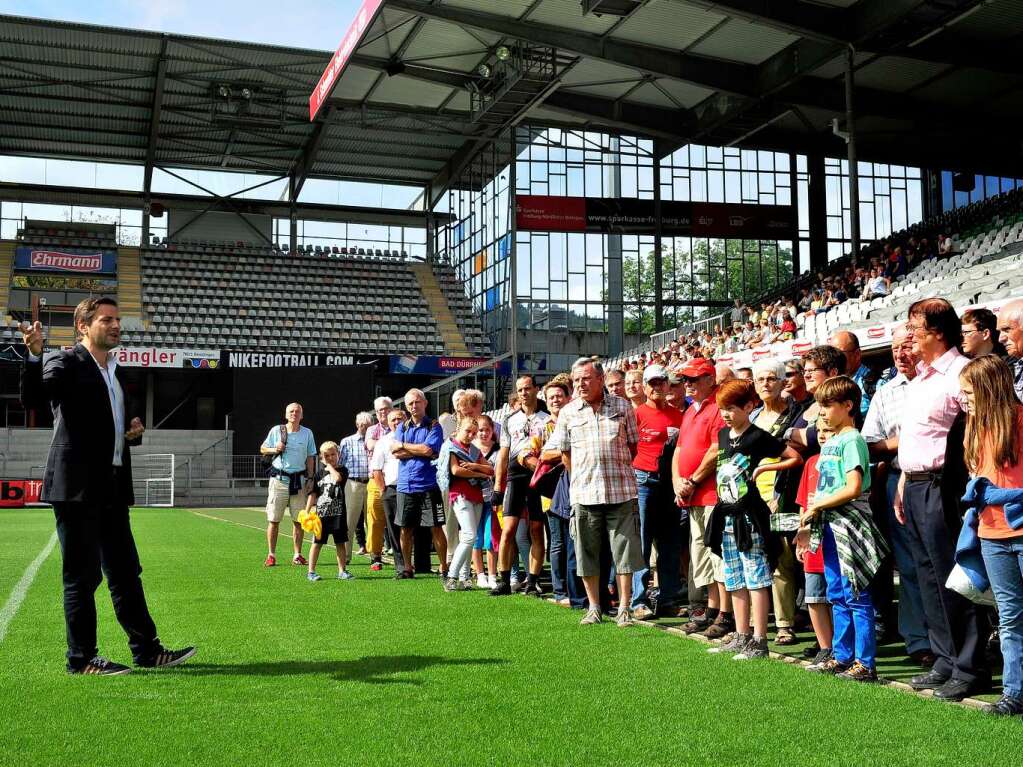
[659, 518]
[694, 481]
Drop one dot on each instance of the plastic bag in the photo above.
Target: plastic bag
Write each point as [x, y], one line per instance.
[959, 582]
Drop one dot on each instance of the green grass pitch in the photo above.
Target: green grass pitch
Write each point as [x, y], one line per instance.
[380, 672]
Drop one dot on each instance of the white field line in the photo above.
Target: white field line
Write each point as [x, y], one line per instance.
[10, 608]
[288, 533]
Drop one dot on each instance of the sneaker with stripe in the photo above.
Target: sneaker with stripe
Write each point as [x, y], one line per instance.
[100, 667]
[165, 658]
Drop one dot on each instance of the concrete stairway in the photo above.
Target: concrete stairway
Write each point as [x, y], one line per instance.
[454, 341]
[129, 284]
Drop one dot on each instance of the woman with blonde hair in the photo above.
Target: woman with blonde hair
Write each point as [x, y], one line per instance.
[992, 449]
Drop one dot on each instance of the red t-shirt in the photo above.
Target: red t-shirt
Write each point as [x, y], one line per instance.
[699, 430]
[460, 486]
[812, 562]
[653, 424]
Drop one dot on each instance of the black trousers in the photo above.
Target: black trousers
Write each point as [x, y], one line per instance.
[96, 540]
[390, 501]
[957, 630]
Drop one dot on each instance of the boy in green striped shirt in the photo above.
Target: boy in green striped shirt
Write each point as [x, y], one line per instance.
[840, 520]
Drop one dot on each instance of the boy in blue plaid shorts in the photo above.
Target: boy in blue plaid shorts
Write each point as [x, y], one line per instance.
[739, 527]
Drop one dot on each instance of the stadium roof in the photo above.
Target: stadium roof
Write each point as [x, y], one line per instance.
[938, 85]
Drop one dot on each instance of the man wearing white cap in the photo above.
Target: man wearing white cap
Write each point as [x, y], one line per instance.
[659, 517]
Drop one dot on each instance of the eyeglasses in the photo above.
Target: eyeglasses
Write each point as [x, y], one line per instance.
[971, 330]
[770, 380]
[657, 382]
[914, 329]
[811, 371]
[791, 373]
[690, 379]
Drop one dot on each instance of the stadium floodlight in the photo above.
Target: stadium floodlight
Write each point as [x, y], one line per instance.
[246, 94]
[224, 91]
[502, 53]
[484, 70]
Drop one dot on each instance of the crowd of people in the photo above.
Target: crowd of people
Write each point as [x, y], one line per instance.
[795, 489]
[758, 325]
[871, 273]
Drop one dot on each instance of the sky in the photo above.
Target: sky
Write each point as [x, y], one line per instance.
[317, 24]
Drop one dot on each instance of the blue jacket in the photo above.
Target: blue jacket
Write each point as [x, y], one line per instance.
[981, 492]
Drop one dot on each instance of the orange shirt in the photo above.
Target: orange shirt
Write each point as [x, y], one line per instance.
[992, 518]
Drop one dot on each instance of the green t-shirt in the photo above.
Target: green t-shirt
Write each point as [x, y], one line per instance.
[840, 455]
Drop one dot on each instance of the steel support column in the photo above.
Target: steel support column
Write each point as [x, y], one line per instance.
[658, 254]
[292, 215]
[513, 261]
[615, 288]
[817, 205]
[854, 176]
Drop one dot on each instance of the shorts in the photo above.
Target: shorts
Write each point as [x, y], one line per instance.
[278, 501]
[520, 500]
[813, 561]
[590, 525]
[745, 569]
[335, 525]
[706, 566]
[815, 592]
[423, 509]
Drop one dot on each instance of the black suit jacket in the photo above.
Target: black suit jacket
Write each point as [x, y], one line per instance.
[82, 450]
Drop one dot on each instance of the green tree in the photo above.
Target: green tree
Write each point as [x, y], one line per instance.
[714, 270]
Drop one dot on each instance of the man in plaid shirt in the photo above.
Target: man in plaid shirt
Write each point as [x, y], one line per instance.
[355, 458]
[597, 436]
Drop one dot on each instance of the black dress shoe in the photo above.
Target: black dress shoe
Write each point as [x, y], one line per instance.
[932, 680]
[957, 689]
[1005, 707]
[923, 658]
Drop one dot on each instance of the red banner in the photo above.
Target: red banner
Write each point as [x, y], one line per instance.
[544, 213]
[15, 493]
[550, 214]
[344, 51]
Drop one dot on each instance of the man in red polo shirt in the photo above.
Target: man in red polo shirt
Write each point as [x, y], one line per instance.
[693, 478]
[659, 517]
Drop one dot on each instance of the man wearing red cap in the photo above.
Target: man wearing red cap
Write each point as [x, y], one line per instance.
[659, 518]
[693, 478]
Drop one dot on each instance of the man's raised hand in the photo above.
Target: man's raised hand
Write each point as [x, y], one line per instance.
[135, 429]
[32, 336]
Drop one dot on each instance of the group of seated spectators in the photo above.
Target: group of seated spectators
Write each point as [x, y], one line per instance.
[764, 323]
[869, 274]
[776, 500]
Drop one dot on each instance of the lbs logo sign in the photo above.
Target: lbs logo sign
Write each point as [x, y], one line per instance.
[15, 493]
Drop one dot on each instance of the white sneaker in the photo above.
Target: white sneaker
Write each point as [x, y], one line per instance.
[492, 582]
[483, 582]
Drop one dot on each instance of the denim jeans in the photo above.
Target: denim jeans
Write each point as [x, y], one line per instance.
[520, 566]
[1004, 562]
[658, 520]
[563, 567]
[912, 623]
[853, 615]
[468, 515]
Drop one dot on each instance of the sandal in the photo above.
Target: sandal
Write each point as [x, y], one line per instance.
[784, 636]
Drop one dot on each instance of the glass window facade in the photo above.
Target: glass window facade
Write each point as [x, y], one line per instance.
[891, 199]
[983, 188]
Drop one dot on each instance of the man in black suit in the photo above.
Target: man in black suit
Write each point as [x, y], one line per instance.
[88, 481]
